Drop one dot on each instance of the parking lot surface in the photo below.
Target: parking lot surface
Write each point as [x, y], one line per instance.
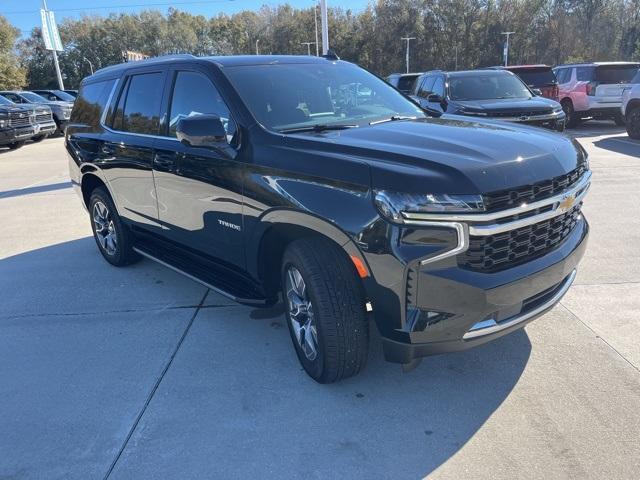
[141, 373]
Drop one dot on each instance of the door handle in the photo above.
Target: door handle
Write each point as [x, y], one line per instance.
[165, 162]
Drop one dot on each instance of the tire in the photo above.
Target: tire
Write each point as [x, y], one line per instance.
[113, 237]
[560, 126]
[337, 301]
[619, 120]
[633, 123]
[16, 145]
[39, 138]
[571, 120]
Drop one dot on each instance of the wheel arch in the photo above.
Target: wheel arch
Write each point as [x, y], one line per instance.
[278, 228]
[633, 104]
[90, 180]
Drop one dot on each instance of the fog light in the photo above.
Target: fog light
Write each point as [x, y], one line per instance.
[418, 320]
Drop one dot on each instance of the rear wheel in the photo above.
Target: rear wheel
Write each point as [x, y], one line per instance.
[324, 306]
[571, 120]
[633, 123]
[112, 236]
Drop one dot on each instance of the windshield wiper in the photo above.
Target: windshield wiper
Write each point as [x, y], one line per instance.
[392, 118]
[320, 127]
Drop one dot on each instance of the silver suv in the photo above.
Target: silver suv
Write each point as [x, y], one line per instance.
[594, 90]
[631, 107]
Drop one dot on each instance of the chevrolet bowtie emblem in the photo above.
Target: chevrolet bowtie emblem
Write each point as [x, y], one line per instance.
[567, 203]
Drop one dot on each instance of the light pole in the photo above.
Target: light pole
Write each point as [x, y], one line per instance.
[308, 44]
[408, 39]
[90, 64]
[325, 26]
[315, 19]
[257, 52]
[506, 47]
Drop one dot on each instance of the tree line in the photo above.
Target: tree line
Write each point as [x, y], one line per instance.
[448, 34]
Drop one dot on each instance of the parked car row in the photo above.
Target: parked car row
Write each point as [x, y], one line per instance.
[33, 115]
[597, 90]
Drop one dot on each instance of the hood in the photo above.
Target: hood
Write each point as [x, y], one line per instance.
[444, 155]
[503, 105]
[17, 108]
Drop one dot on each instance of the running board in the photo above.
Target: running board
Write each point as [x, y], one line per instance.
[235, 297]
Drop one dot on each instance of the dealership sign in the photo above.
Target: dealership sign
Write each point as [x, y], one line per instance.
[50, 33]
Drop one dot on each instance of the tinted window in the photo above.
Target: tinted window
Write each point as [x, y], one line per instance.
[406, 82]
[64, 96]
[438, 87]
[5, 101]
[91, 102]
[13, 97]
[584, 74]
[616, 73]
[139, 106]
[636, 79]
[300, 95]
[487, 86]
[194, 94]
[536, 77]
[427, 86]
[33, 97]
[47, 95]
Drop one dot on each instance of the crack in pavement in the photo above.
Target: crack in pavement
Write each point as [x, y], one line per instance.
[108, 312]
[599, 336]
[155, 387]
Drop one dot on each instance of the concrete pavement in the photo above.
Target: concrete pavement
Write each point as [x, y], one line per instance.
[140, 373]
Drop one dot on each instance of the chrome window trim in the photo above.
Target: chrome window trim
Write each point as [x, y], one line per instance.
[103, 117]
[489, 326]
[577, 190]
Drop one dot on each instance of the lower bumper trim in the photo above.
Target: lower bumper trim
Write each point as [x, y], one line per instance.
[490, 326]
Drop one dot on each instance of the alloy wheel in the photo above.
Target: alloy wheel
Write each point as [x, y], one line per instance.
[105, 228]
[301, 313]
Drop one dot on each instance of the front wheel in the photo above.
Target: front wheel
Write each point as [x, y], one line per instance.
[16, 145]
[112, 236]
[570, 115]
[325, 310]
[633, 123]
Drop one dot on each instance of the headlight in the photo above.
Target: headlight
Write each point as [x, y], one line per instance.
[3, 122]
[392, 204]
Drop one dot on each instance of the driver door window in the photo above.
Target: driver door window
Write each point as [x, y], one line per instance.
[438, 87]
[194, 94]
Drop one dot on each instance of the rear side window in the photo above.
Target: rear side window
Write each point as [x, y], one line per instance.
[616, 73]
[584, 74]
[537, 77]
[405, 83]
[194, 94]
[91, 102]
[138, 109]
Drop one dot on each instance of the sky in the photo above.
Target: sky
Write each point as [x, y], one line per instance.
[24, 14]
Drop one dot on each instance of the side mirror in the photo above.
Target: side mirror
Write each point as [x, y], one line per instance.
[434, 98]
[537, 92]
[202, 131]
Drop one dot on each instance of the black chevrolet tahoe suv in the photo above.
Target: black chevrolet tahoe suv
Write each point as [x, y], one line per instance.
[311, 180]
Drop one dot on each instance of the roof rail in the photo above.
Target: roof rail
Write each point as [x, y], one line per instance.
[146, 61]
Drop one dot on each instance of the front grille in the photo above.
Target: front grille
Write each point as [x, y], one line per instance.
[514, 197]
[42, 117]
[505, 250]
[15, 120]
[520, 113]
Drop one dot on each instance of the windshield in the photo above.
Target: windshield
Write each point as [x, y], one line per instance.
[64, 96]
[616, 73]
[288, 96]
[33, 97]
[537, 77]
[4, 101]
[487, 87]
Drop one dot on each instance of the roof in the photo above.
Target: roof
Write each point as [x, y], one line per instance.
[514, 67]
[411, 74]
[597, 64]
[222, 61]
[475, 73]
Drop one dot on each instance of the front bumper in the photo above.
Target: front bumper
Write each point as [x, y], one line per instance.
[11, 135]
[487, 306]
[449, 304]
[47, 128]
